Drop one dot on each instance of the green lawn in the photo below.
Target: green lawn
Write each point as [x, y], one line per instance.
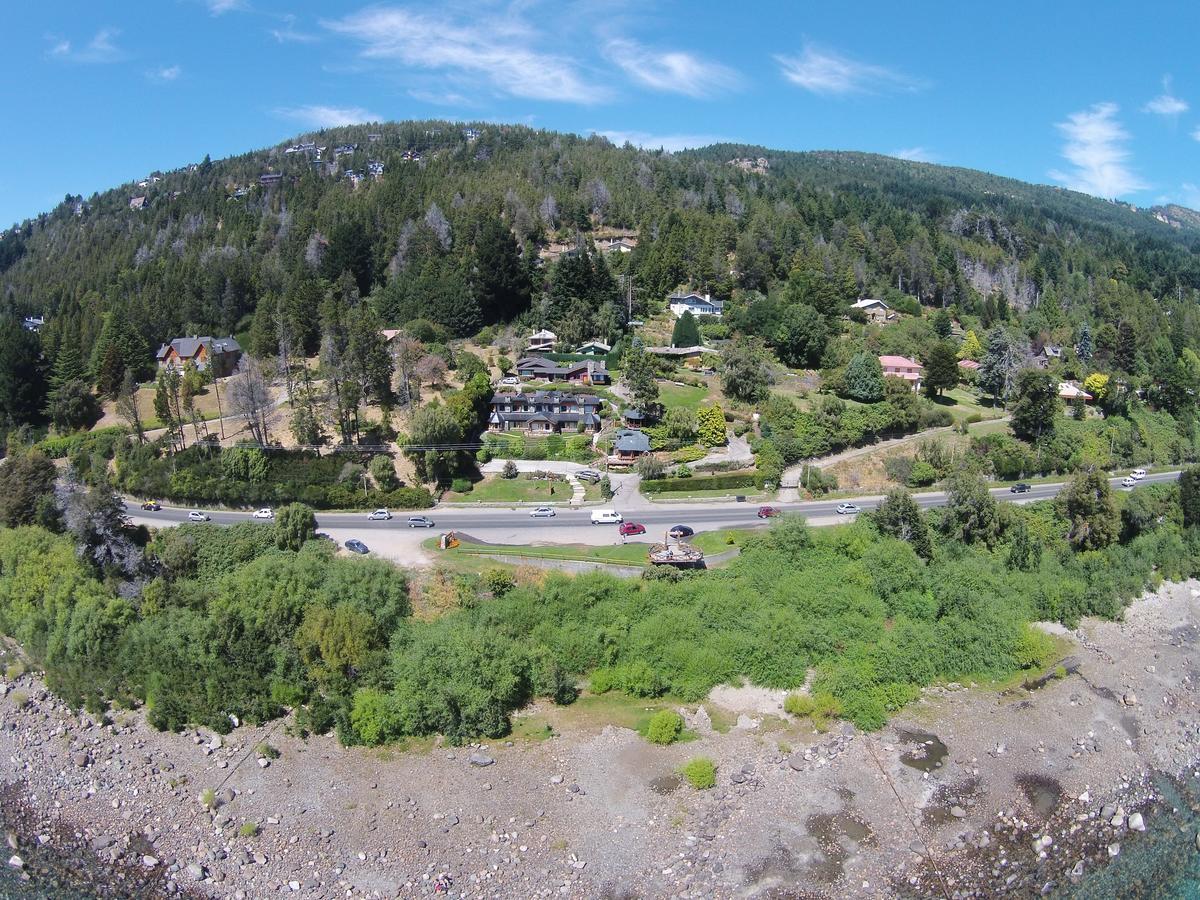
[672, 395]
[962, 402]
[495, 489]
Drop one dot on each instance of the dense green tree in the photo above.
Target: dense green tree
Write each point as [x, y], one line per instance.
[1037, 405]
[972, 514]
[746, 371]
[72, 406]
[864, 378]
[941, 368]
[685, 333]
[1083, 346]
[501, 279]
[22, 375]
[1189, 496]
[26, 483]
[1001, 361]
[1088, 507]
[899, 516]
[295, 523]
[942, 325]
[800, 340]
[637, 375]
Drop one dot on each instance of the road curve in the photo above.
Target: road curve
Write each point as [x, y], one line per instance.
[700, 516]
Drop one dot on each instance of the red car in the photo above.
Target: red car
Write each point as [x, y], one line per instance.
[768, 512]
[629, 528]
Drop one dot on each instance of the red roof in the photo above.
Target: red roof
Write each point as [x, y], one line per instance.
[968, 364]
[899, 362]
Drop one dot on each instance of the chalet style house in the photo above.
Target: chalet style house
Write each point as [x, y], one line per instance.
[545, 412]
[221, 355]
[629, 447]
[542, 342]
[696, 304]
[875, 310]
[588, 371]
[903, 367]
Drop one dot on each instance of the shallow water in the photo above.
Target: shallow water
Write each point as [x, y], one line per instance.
[927, 755]
[1163, 862]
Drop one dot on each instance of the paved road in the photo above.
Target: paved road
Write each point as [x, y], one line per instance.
[518, 522]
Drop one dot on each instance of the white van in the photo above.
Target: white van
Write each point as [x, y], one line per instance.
[1137, 474]
[606, 517]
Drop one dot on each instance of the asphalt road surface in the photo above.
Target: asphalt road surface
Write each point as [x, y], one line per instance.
[700, 516]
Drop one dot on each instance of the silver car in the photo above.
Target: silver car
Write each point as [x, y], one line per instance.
[543, 512]
[848, 509]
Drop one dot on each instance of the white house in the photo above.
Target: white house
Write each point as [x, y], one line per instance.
[696, 304]
[542, 342]
[874, 310]
[1070, 392]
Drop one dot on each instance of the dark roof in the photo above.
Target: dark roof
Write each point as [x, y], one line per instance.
[541, 398]
[630, 441]
[634, 414]
[188, 347]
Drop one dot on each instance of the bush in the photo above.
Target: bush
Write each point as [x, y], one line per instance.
[700, 772]
[208, 798]
[698, 483]
[248, 830]
[462, 485]
[922, 474]
[383, 472]
[266, 751]
[820, 708]
[664, 727]
[510, 470]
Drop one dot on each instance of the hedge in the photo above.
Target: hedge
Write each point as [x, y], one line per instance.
[702, 483]
[105, 440]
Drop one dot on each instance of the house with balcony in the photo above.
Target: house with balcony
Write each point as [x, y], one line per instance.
[220, 355]
[630, 446]
[542, 342]
[588, 371]
[903, 367]
[545, 412]
[696, 304]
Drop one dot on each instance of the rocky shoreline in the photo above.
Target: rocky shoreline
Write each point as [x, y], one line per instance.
[969, 793]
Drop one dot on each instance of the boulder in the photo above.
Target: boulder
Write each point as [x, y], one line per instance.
[1136, 823]
[81, 759]
[195, 871]
[796, 762]
[149, 861]
[1113, 849]
[15, 862]
[481, 759]
[958, 812]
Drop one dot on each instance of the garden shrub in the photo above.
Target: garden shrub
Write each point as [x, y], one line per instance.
[700, 772]
[664, 727]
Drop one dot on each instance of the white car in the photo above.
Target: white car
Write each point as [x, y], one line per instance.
[196, 516]
[606, 517]
[511, 379]
[1137, 474]
[543, 512]
[1128, 481]
[379, 515]
[848, 509]
[265, 513]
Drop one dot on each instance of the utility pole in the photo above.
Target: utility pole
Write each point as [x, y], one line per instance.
[627, 280]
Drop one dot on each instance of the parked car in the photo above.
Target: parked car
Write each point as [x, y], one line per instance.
[589, 475]
[848, 509]
[196, 516]
[354, 545]
[769, 512]
[420, 522]
[629, 529]
[379, 515]
[1020, 488]
[606, 517]
[265, 513]
[542, 512]
[1137, 474]
[510, 379]
[1128, 481]
[152, 506]
[681, 531]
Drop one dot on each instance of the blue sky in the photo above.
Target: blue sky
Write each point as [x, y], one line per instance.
[1094, 95]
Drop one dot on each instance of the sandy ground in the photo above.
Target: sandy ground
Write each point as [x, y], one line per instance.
[949, 798]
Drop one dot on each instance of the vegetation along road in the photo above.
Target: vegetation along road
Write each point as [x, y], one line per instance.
[701, 516]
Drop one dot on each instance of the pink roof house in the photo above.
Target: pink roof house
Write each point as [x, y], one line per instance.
[902, 367]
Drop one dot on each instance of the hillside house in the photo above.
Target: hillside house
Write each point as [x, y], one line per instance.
[542, 342]
[875, 310]
[1050, 353]
[33, 323]
[903, 367]
[616, 244]
[545, 412]
[269, 178]
[137, 202]
[588, 371]
[1068, 392]
[696, 304]
[221, 355]
[689, 356]
[634, 417]
[630, 446]
[593, 348]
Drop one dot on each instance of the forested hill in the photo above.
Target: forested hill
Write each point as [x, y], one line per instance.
[439, 221]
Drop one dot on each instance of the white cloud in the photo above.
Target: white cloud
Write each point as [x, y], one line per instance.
[915, 154]
[219, 7]
[497, 50]
[826, 72]
[318, 116]
[1166, 103]
[669, 142]
[287, 34]
[102, 48]
[1096, 147]
[1196, 134]
[672, 71]
[165, 73]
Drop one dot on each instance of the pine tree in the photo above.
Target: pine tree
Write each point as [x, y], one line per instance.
[941, 368]
[1083, 346]
[864, 378]
[686, 333]
[502, 288]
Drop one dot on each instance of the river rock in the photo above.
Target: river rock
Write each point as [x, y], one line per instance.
[481, 759]
[958, 812]
[81, 759]
[796, 761]
[1114, 849]
[1130, 699]
[195, 871]
[15, 862]
[149, 861]
[1136, 823]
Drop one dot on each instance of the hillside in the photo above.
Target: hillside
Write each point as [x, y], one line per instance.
[409, 216]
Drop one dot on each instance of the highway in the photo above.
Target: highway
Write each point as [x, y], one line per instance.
[517, 523]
